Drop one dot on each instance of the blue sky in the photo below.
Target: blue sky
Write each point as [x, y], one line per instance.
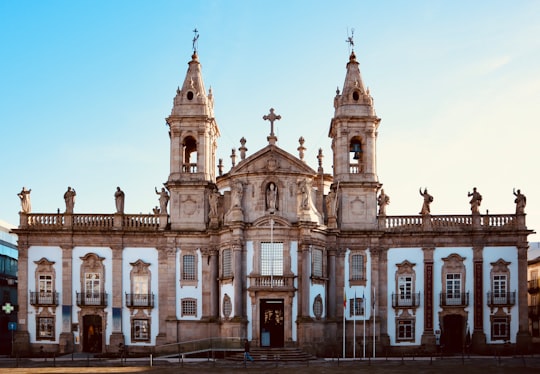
[85, 87]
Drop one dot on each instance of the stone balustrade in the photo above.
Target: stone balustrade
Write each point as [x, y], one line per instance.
[451, 222]
[101, 222]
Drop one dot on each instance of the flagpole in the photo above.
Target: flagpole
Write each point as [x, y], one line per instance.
[344, 310]
[374, 311]
[364, 315]
[354, 325]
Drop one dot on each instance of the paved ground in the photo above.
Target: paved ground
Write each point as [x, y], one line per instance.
[473, 365]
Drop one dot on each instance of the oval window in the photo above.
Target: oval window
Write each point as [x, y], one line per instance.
[190, 95]
[355, 96]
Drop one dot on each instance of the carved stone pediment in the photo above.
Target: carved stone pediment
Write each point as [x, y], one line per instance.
[272, 159]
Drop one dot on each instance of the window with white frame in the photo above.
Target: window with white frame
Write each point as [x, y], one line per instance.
[500, 328]
[405, 290]
[405, 329]
[356, 307]
[499, 288]
[188, 267]
[272, 259]
[189, 307]
[92, 288]
[316, 263]
[45, 285]
[140, 329]
[453, 289]
[226, 263]
[357, 267]
[45, 328]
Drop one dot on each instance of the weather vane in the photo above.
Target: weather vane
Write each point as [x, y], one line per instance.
[350, 40]
[195, 38]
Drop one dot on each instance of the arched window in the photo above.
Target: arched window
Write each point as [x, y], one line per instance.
[356, 155]
[190, 155]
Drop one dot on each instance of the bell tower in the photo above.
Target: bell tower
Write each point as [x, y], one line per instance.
[353, 130]
[193, 133]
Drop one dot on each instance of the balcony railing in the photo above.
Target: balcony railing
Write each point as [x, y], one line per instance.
[533, 286]
[92, 299]
[277, 282]
[136, 300]
[411, 300]
[44, 298]
[501, 298]
[460, 299]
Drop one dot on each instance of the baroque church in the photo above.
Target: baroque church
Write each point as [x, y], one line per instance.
[272, 251]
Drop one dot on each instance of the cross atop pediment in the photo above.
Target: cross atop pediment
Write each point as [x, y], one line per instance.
[271, 117]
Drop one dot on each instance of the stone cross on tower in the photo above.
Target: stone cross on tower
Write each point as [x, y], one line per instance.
[271, 117]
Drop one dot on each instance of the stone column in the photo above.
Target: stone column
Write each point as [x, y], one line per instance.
[428, 336]
[331, 293]
[21, 343]
[118, 290]
[383, 291]
[211, 293]
[306, 272]
[523, 338]
[167, 293]
[238, 280]
[478, 336]
[66, 342]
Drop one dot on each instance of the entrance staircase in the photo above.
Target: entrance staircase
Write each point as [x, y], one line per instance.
[274, 354]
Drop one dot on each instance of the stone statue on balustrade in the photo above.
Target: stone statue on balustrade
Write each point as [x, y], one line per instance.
[69, 198]
[163, 199]
[383, 200]
[520, 201]
[476, 200]
[428, 199]
[119, 200]
[24, 195]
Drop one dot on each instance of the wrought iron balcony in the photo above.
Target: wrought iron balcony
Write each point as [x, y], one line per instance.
[460, 299]
[92, 299]
[44, 298]
[137, 300]
[501, 298]
[403, 300]
[533, 286]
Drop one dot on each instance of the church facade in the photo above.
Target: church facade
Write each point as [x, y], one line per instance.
[274, 251]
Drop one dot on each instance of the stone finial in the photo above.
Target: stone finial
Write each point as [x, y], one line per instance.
[320, 158]
[301, 149]
[220, 167]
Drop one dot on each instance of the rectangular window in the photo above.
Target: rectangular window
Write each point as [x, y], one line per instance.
[45, 328]
[272, 259]
[189, 307]
[92, 288]
[140, 284]
[453, 289]
[405, 329]
[227, 263]
[140, 330]
[356, 307]
[405, 291]
[317, 263]
[357, 267]
[499, 289]
[188, 265]
[45, 286]
[500, 329]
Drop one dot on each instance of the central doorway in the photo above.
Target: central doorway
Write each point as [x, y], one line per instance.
[92, 335]
[272, 323]
[453, 333]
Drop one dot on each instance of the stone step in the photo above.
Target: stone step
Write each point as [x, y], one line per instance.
[274, 354]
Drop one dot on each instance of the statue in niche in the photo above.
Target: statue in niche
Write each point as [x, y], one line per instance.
[237, 194]
[163, 200]
[271, 197]
[332, 201]
[69, 198]
[119, 200]
[304, 190]
[24, 195]
[428, 199]
[213, 200]
[383, 200]
[476, 200]
[520, 201]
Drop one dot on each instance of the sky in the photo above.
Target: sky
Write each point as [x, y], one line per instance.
[85, 87]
